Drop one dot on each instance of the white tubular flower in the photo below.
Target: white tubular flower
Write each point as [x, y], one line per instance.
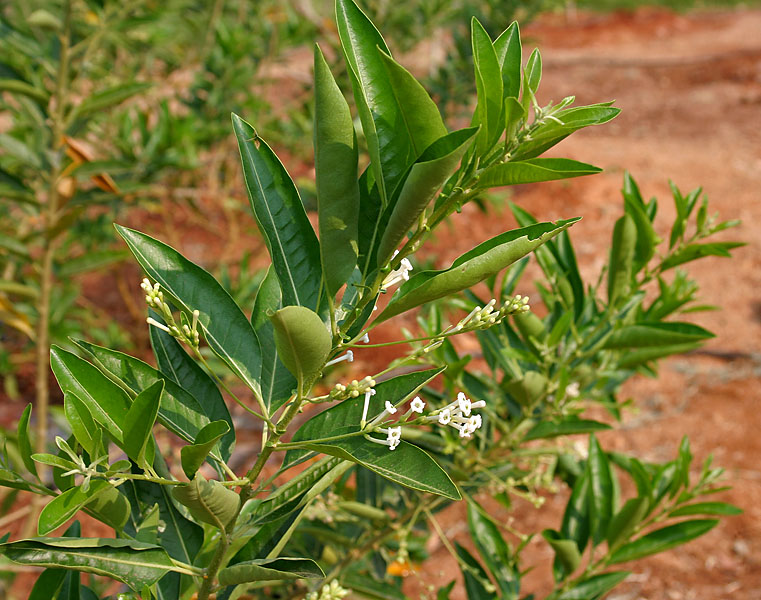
[464, 404]
[368, 393]
[573, 390]
[155, 323]
[348, 357]
[390, 408]
[445, 416]
[397, 275]
[365, 339]
[417, 405]
[393, 436]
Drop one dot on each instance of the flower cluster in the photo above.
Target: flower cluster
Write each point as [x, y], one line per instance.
[482, 318]
[329, 591]
[457, 414]
[353, 390]
[154, 297]
[397, 275]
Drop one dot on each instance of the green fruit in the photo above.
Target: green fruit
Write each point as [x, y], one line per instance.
[303, 342]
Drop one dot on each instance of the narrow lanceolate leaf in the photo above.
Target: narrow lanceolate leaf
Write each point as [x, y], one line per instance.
[179, 411]
[548, 429]
[226, 328]
[192, 456]
[107, 98]
[407, 465]
[106, 401]
[270, 569]
[576, 519]
[138, 424]
[176, 366]
[303, 342]
[477, 584]
[81, 422]
[600, 491]
[706, 508]
[336, 177]
[426, 177]
[474, 266]
[393, 144]
[280, 214]
[134, 563]
[24, 445]
[663, 539]
[208, 501]
[494, 551]
[533, 171]
[278, 383]
[488, 88]
[508, 49]
[643, 335]
[594, 587]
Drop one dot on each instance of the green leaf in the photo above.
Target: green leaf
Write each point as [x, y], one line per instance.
[270, 569]
[192, 456]
[48, 584]
[17, 86]
[277, 381]
[428, 174]
[111, 507]
[548, 429]
[534, 71]
[476, 580]
[635, 207]
[176, 366]
[600, 491]
[706, 508]
[694, 251]
[134, 563]
[485, 260]
[226, 328]
[595, 587]
[533, 170]
[508, 50]
[64, 506]
[622, 251]
[100, 101]
[24, 445]
[639, 357]
[81, 422]
[494, 551]
[336, 174]
[567, 555]
[407, 465]
[208, 501]
[576, 519]
[90, 261]
[370, 588]
[393, 142]
[626, 520]
[138, 425]
[105, 400]
[289, 236]
[303, 342]
[489, 90]
[645, 335]
[663, 539]
[179, 411]
[20, 151]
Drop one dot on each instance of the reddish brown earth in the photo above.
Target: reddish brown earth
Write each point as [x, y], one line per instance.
[690, 92]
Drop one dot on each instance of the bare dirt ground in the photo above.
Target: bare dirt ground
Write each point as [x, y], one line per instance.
[690, 92]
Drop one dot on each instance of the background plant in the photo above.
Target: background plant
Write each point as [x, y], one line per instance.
[202, 537]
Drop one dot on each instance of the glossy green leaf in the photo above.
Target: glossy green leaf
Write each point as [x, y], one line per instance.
[278, 383]
[626, 520]
[642, 356]
[138, 425]
[24, 445]
[192, 456]
[64, 506]
[111, 507]
[576, 519]
[105, 99]
[48, 584]
[428, 174]
[533, 170]
[179, 411]
[407, 465]
[645, 335]
[225, 327]
[548, 429]
[282, 220]
[477, 584]
[600, 491]
[635, 207]
[336, 174]
[270, 569]
[594, 587]
[81, 422]
[706, 508]
[134, 563]
[105, 400]
[485, 260]
[621, 259]
[567, 555]
[393, 144]
[534, 71]
[488, 75]
[303, 342]
[494, 551]
[663, 539]
[508, 50]
[694, 251]
[208, 501]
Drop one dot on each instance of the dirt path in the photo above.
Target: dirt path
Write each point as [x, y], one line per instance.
[690, 92]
